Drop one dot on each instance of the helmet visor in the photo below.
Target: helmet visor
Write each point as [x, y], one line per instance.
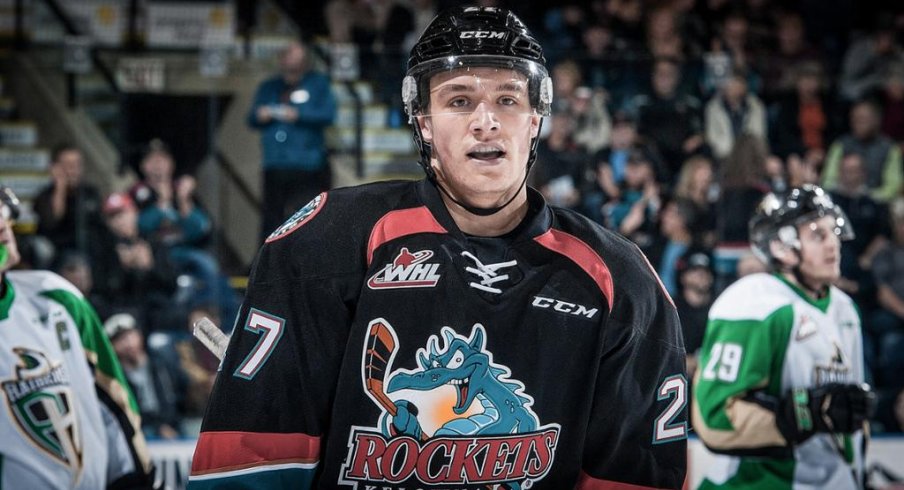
[842, 225]
[458, 85]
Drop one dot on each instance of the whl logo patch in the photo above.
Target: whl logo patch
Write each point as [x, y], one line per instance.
[40, 398]
[407, 270]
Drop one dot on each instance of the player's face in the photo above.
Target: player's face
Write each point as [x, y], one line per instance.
[8, 239]
[820, 251]
[480, 125]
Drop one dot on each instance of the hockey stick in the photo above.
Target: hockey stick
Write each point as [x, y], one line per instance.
[211, 336]
[379, 349]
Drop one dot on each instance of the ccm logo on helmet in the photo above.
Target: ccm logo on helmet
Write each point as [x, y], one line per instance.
[564, 307]
[482, 35]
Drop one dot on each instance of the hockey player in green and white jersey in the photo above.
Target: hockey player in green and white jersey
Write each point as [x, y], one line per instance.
[779, 394]
[69, 420]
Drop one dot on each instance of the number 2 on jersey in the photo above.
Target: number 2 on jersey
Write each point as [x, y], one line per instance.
[665, 430]
[724, 362]
[271, 327]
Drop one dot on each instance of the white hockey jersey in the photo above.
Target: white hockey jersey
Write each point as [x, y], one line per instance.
[766, 336]
[69, 420]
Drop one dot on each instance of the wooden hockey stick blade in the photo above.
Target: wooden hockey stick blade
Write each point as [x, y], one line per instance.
[211, 336]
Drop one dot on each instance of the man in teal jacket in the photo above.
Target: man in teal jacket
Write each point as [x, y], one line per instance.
[291, 110]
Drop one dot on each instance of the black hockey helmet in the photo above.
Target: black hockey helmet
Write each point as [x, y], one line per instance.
[9, 201]
[467, 37]
[778, 216]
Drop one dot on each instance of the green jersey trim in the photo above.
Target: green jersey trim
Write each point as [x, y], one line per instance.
[772, 474]
[821, 304]
[97, 345]
[7, 300]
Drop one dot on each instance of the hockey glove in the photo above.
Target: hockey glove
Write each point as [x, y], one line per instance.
[833, 408]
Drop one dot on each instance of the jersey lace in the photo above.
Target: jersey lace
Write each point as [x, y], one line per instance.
[488, 273]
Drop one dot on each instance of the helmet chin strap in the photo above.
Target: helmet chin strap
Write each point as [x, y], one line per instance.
[431, 174]
[481, 211]
[817, 292]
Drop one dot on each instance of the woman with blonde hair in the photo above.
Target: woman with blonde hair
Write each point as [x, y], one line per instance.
[696, 185]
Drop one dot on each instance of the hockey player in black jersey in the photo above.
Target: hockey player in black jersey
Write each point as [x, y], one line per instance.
[455, 332]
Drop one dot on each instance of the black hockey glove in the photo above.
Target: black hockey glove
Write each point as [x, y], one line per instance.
[834, 408]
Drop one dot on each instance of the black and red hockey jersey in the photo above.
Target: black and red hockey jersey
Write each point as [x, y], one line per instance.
[379, 347]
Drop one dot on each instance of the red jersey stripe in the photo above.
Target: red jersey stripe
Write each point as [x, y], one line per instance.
[587, 482]
[227, 451]
[581, 254]
[399, 223]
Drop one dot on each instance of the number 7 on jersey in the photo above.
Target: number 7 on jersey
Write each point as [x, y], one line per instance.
[271, 328]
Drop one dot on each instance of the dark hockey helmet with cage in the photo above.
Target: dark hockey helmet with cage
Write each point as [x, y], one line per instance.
[468, 37]
[11, 208]
[778, 216]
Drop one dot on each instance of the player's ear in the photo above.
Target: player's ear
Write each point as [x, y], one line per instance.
[535, 125]
[423, 122]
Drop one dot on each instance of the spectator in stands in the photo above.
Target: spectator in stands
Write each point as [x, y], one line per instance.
[564, 26]
[197, 362]
[869, 220]
[791, 51]
[695, 296]
[350, 21]
[892, 101]
[627, 21]
[663, 35]
[68, 208]
[394, 24]
[735, 39]
[804, 119]
[743, 185]
[674, 240]
[75, 267]
[881, 155]
[169, 209]
[172, 217]
[586, 107]
[155, 378]
[886, 327]
[560, 179]
[635, 212]
[134, 273]
[599, 60]
[610, 166]
[669, 119]
[696, 186]
[731, 113]
[292, 110]
[867, 58]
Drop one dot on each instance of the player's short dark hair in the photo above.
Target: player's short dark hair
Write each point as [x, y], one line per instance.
[61, 148]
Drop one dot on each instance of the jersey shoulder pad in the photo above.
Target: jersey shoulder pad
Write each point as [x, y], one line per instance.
[341, 211]
[752, 297]
[623, 260]
[31, 282]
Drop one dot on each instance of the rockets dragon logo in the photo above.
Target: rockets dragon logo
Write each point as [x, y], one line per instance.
[458, 419]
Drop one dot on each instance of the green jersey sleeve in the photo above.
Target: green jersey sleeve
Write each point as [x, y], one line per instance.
[112, 388]
[738, 383]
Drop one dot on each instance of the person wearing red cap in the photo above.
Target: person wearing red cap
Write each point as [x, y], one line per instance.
[134, 273]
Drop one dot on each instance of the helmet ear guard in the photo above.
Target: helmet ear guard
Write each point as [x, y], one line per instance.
[10, 203]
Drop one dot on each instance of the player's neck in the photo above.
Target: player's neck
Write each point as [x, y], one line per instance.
[813, 290]
[496, 224]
